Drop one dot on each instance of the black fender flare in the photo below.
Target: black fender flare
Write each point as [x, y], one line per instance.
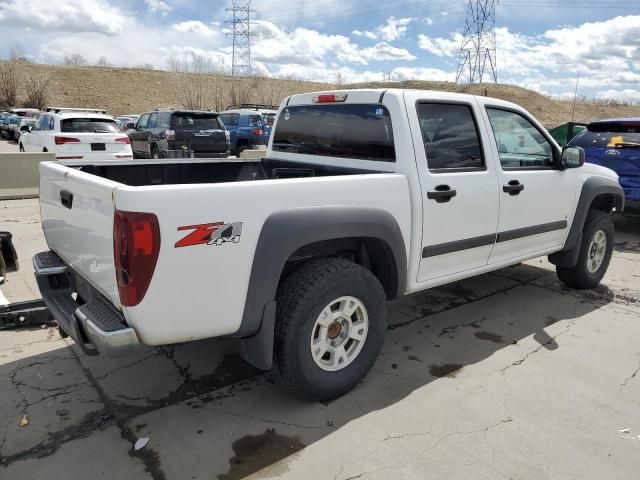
[592, 188]
[285, 232]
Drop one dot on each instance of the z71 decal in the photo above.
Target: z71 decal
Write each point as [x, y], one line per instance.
[210, 234]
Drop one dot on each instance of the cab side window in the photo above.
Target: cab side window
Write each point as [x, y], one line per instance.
[450, 136]
[520, 144]
[152, 120]
[143, 121]
[40, 122]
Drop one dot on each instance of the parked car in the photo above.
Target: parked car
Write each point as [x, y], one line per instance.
[125, 120]
[363, 196]
[24, 126]
[615, 144]
[249, 126]
[75, 134]
[25, 112]
[179, 134]
[6, 126]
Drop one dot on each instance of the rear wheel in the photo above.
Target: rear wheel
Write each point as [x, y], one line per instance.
[331, 324]
[595, 254]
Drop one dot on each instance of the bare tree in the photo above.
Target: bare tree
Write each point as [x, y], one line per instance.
[103, 62]
[191, 73]
[37, 87]
[75, 60]
[8, 83]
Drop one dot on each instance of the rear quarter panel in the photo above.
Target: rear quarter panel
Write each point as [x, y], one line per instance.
[199, 291]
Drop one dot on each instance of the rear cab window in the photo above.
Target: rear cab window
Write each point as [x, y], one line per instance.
[88, 125]
[195, 121]
[355, 131]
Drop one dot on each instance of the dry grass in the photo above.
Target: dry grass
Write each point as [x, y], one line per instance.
[123, 91]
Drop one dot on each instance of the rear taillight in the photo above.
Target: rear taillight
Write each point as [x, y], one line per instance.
[123, 140]
[136, 244]
[170, 135]
[258, 131]
[63, 140]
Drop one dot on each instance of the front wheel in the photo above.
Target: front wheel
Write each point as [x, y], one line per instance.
[331, 324]
[595, 254]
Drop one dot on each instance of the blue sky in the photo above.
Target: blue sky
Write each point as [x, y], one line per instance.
[542, 44]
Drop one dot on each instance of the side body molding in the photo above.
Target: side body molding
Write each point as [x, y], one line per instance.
[285, 232]
[591, 190]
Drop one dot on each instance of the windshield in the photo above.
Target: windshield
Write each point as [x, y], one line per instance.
[195, 121]
[88, 125]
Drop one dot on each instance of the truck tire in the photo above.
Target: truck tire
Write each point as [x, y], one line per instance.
[596, 249]
[330, 327]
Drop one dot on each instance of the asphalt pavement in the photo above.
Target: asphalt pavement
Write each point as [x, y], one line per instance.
[507, 375]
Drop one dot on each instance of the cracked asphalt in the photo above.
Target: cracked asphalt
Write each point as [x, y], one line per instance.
[507, 375]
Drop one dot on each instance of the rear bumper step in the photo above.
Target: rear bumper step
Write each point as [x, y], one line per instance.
[96, 326]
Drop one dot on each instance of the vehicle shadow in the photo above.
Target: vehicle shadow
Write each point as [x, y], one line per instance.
[198, 393]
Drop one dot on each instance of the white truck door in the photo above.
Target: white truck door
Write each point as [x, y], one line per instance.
[458, 183]
[536, 199]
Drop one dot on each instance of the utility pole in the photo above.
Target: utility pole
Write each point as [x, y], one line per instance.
[575, 96]
[478, 50]
[241, 23]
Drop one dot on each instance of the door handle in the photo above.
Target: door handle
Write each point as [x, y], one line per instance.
[514, 187]
[66, 198]
[441, 194]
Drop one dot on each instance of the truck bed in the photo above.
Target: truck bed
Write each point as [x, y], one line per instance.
[164, 172]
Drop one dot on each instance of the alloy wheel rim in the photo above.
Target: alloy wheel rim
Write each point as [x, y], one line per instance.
[597, 251]
[339, 333]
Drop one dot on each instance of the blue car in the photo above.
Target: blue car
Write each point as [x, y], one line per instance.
[249, 125]
[615, 144]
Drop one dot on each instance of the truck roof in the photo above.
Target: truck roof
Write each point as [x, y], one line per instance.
[376, 95]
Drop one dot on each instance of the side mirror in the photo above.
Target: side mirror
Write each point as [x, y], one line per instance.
[572, 157]
[130, 126]
[25, 128]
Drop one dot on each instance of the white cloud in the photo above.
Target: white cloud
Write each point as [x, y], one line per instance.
[605, 53]
[626, 95]
[158, 6]
[393, 29]
[193, 26]
[63, 15]
[367, 34]
[383, 51]
[441, 47]
[307, 47]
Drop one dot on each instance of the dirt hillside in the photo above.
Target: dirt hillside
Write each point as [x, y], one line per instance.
[123, 91]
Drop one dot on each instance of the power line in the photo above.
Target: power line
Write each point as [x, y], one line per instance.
[478, 50]
[241, 23]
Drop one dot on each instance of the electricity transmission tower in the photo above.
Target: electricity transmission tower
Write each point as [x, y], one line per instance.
[478, 50]
[241, 23]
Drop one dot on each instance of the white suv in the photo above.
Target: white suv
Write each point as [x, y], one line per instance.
[76, 134]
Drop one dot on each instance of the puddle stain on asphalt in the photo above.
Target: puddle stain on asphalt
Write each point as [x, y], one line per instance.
[255, 452]
[446, 370]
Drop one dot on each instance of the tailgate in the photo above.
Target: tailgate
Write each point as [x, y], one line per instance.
[203, 141]
[77, 218]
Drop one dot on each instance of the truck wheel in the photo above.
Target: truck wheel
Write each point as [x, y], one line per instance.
[595, 253]
[330, 327]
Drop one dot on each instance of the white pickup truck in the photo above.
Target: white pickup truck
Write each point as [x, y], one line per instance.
[364, 196]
